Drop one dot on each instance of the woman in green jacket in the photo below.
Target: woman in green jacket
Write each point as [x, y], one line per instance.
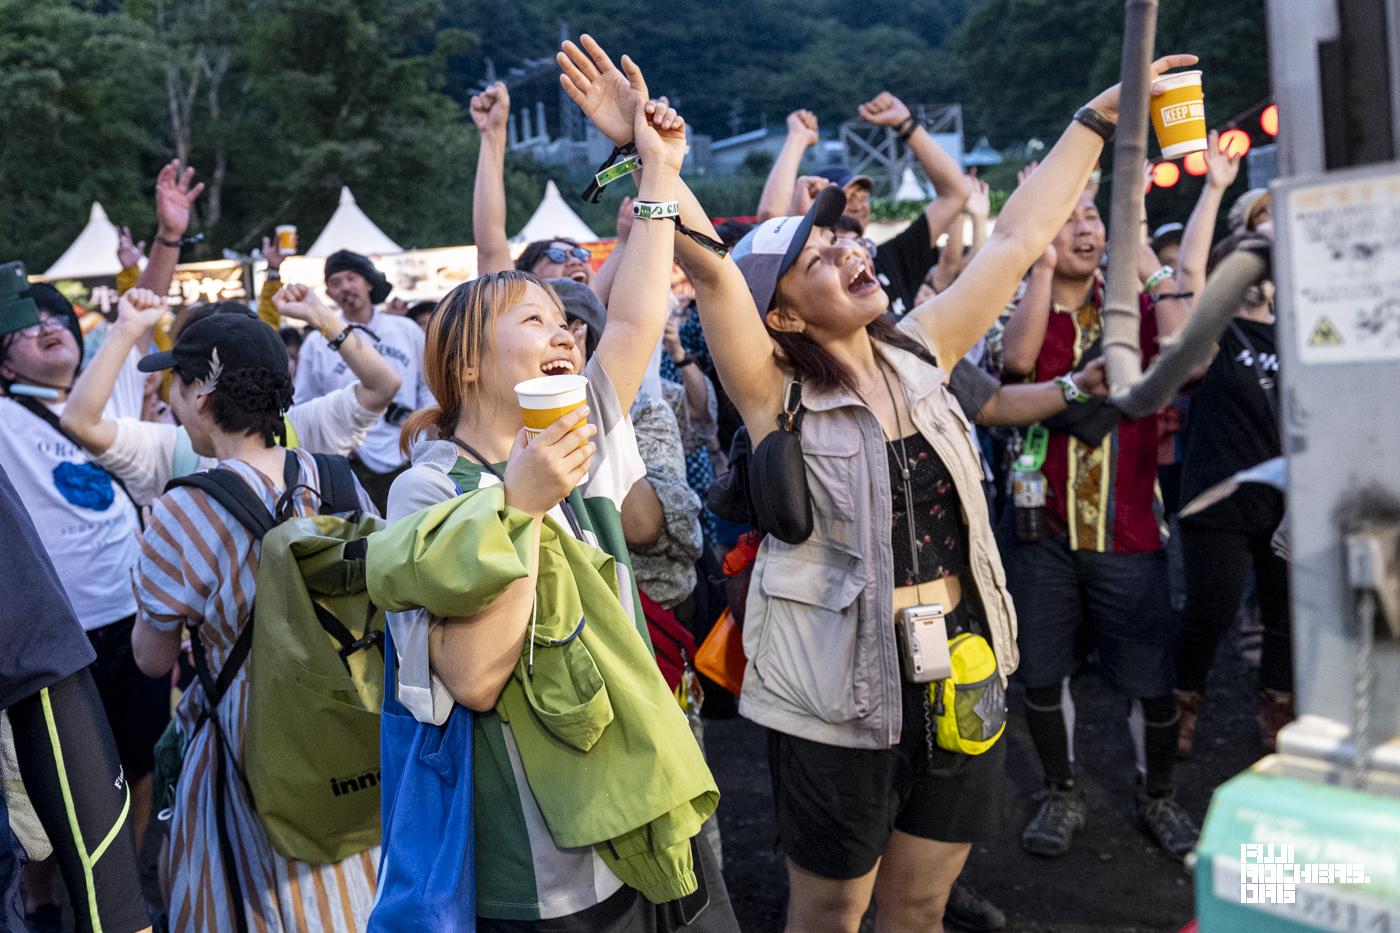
[485, 337]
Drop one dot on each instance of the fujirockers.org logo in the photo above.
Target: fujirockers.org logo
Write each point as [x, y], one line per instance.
[1270, 875]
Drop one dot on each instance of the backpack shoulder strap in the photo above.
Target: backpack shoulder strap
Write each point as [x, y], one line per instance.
[338, 493]
[228, 489]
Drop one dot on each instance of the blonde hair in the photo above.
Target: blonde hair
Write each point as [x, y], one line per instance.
[458, 341]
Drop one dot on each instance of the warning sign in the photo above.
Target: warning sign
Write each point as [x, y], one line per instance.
[1325, 334]
[1343, 237]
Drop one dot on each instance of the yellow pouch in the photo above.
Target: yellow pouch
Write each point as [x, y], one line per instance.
[969, 708]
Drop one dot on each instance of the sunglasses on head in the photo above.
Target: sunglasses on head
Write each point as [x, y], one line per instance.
[561, 256]
[53, 324]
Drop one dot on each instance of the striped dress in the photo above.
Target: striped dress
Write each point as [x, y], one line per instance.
[197, 567]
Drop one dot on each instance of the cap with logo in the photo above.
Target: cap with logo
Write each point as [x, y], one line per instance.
[769, 250]
[842, 177]
[230, 340]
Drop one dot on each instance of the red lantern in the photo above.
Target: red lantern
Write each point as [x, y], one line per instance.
[1165, 174]
[1195, 163]
[1234, 142]
[1268, 120]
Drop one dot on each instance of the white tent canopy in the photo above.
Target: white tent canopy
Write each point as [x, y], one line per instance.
[350, 228]
[909, 187]
[92, 254]
[554, 218]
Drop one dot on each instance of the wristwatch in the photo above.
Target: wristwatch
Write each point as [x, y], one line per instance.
[274, 275]
[1096, 122]
[1070, 391]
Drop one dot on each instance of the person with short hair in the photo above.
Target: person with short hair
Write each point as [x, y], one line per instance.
[357, 287]
[197, 570]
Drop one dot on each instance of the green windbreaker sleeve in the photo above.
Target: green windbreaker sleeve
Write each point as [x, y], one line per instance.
[453, 559]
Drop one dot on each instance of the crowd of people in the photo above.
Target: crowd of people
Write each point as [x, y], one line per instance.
[543, 592]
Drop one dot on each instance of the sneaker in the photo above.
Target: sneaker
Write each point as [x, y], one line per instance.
[1168, 825]
[1188, 707]
[969, 910]
[1274, 710]
[1061, 815]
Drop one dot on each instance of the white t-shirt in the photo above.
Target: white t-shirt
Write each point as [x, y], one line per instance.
[321, 370]
[88, 525]
[143, 452]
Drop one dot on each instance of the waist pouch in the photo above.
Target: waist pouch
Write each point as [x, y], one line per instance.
[969, 707]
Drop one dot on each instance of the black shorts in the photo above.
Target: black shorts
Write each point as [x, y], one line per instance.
[138, 707]
[837, 806]
[1123, 598]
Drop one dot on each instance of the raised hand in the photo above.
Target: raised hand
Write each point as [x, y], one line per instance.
[658, 131]
[979, 197]
[1222, 168]
[129, 254]
[1025, 173]
[1107, 102]
[272, 253]
[491, 109]
[605, 95]
[301, 303]
[804, 193]
[624, 219]
[140, 309]
[396, 306]
[175, 196]
[884, 110]
[802, 127]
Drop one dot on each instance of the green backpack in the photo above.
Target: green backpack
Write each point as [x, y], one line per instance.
[311, 739]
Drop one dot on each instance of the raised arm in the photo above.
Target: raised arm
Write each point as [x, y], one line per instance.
[637, 305]
[1221, 171]
[137, 312]
[490, 112]
[175, 197]
[607, 273]
[947, 178]
[957, 319]
[777, 190]
[379, 383]
[1025, 329]
[267, 308]
[129, 256]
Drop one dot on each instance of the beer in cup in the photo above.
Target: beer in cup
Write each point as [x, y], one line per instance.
[287, 239]
[546, 399]
[1179, 114]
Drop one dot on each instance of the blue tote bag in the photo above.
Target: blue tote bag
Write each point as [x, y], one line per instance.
[427, 867]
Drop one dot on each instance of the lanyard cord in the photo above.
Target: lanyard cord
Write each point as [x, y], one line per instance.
[904, 477]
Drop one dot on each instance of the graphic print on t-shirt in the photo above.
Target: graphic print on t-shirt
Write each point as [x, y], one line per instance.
[85, 485]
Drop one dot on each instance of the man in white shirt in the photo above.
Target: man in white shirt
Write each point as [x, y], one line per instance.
[357, 286]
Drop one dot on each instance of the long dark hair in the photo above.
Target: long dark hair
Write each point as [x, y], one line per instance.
[817, 367]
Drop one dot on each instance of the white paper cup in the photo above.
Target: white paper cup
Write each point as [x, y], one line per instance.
[546, 399]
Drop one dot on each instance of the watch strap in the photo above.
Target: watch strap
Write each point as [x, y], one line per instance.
[1095, 121]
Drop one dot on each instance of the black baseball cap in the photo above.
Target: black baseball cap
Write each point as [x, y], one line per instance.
[769, 250]
[228, 340]
[842, 177]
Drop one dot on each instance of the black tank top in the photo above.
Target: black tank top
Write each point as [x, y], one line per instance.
[939, 531]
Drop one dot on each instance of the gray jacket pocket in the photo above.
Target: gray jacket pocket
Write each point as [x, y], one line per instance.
[808, 647]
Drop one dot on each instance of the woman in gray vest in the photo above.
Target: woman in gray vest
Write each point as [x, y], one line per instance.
[872, 798]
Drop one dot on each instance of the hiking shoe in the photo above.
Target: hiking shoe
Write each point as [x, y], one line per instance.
[969, 910]
[1061, 815]
[1168, 825]
[1188, 708]
[1273, 711]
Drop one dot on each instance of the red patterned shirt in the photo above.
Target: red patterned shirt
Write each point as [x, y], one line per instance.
[1104, 496]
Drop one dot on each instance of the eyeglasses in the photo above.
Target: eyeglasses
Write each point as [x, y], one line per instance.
[49, 325]
[560, 256]
[864, 243]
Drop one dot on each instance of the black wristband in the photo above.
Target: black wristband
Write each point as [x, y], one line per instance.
[173, 244]
[907, 128]
[338, 342]
[684, 361]
[1095, 121]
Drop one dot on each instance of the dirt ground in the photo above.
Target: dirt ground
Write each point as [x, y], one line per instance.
[1114, 879]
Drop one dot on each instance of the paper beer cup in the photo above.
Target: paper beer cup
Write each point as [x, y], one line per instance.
[287, 239]
[1179, 114]
[545, 400]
